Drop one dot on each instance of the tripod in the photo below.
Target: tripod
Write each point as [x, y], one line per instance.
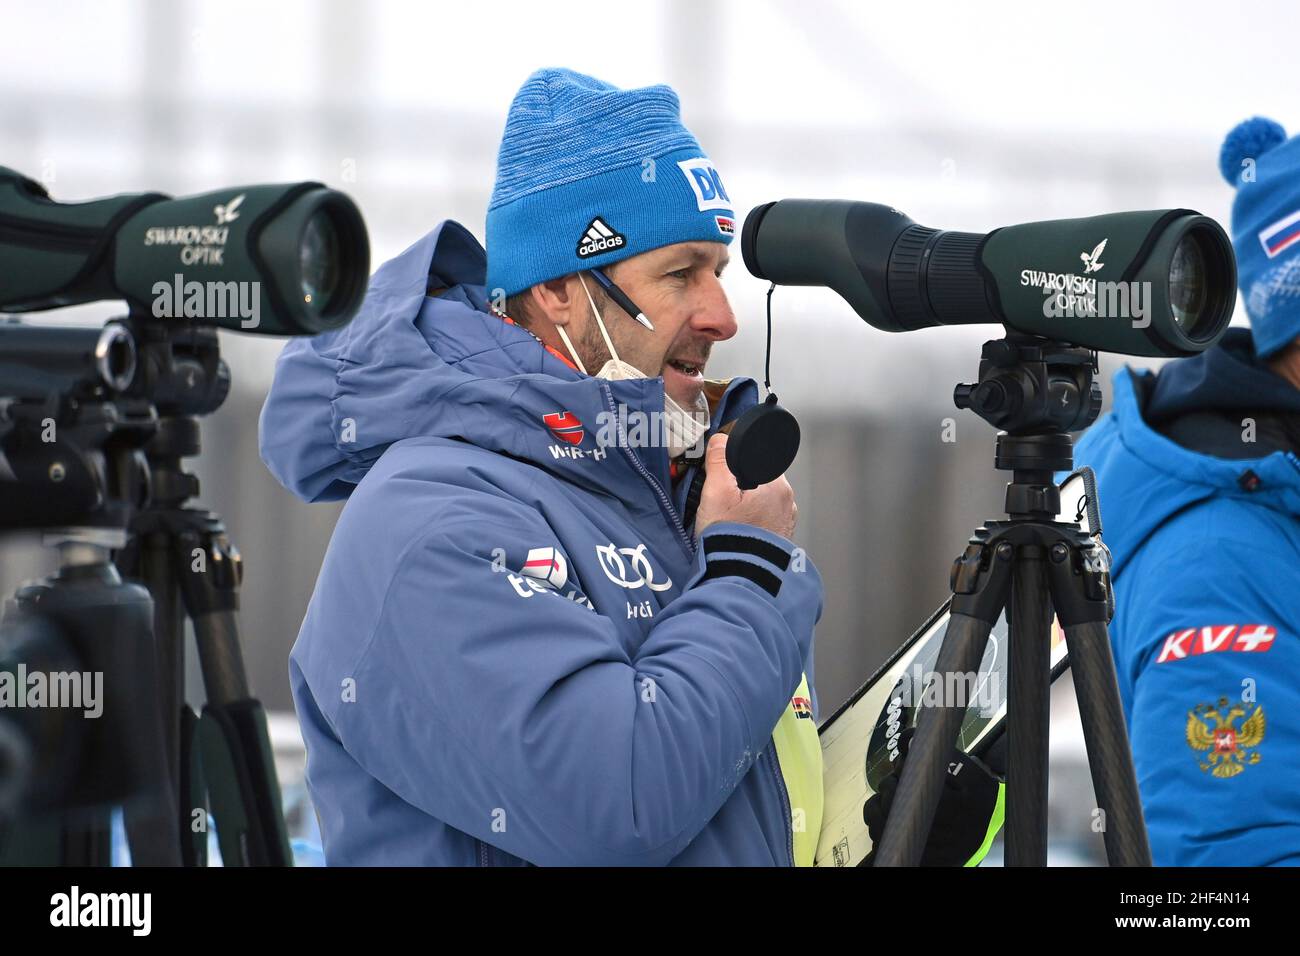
[154, 754]
[186, 560]
[1030, 563]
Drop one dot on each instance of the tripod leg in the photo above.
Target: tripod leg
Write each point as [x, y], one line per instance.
[1029, 619]
[925, 770]
[154, 571]
[1102, 716]
[238, 761]
[149, 560]
[235, 745]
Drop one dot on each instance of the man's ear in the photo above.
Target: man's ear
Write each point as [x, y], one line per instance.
[557, 299]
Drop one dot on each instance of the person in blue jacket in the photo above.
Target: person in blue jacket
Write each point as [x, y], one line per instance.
[550, 628]
[1199, 484]
[547, 629]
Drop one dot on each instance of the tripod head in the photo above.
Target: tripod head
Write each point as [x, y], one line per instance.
[86, 414]
[1037, 391]
[1032, 385]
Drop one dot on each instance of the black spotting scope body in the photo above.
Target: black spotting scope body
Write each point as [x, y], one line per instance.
[290, 259]
[1158, 283]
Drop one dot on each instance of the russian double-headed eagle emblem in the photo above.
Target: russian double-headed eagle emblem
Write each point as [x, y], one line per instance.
[1226, 746]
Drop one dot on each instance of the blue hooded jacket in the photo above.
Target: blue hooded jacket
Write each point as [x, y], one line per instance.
[516, 651]
[1204, 533]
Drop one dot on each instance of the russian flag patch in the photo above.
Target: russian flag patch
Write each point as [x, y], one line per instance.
[1280, 235]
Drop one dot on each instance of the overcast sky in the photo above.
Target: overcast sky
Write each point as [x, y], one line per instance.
[964, 115]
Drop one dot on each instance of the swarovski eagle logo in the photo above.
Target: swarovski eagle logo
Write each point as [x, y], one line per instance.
[229, 212]
[1090, 263]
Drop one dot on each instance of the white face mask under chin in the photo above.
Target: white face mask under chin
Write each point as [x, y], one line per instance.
[686, 428]
[683, 428]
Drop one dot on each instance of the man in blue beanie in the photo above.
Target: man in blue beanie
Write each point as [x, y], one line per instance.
[597, 184]
[548, 629]
[1198, 471]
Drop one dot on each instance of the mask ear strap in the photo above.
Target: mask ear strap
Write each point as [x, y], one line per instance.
[572, 351]
[601, 325]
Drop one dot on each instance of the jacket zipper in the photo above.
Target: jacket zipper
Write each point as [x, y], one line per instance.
[665, 503]
[693, 494]
[785, 799]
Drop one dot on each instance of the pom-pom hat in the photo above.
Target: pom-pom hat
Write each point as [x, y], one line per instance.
[1264, 166]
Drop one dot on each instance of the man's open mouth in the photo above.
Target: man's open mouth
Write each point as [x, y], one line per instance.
[689, 369]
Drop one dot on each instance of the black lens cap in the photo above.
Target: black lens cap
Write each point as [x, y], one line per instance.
[762, 444]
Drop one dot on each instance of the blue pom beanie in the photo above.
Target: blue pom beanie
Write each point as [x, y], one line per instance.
[1264, 166]
[589, 174]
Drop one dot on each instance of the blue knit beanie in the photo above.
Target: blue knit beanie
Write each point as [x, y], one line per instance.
[1264, 166]
[589, 174]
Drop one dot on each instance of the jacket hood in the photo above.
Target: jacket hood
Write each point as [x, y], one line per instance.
[1144, 478]
[418, 365]
[1225, 377]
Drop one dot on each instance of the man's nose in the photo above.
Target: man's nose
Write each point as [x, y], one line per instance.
[714, 318]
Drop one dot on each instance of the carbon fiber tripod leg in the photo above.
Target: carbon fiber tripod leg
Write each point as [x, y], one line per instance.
[926, 768]
[1109, 754]
[1029, 620]
[235, 746]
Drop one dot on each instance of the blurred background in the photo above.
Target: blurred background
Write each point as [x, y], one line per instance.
[963, 116]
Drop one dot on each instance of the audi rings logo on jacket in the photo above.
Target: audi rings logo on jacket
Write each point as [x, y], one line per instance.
[617, 571]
